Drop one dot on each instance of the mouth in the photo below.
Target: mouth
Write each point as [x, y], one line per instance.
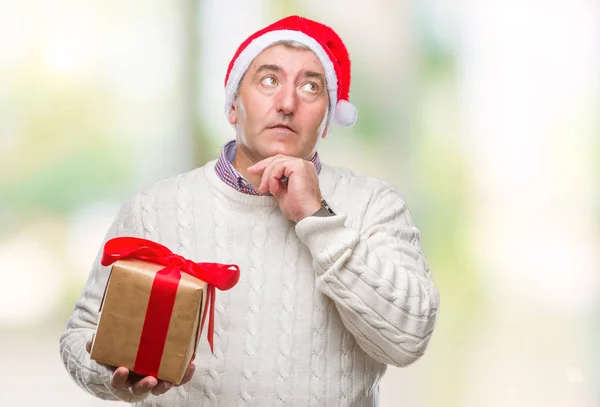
[282, 126]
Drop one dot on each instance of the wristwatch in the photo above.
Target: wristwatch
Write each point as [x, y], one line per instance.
[324, 210]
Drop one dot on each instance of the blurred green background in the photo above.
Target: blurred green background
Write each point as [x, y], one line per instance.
[484, 115]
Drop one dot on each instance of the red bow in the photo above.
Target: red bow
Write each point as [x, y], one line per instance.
[164, 290]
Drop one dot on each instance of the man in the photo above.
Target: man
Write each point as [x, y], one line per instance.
[333, 286]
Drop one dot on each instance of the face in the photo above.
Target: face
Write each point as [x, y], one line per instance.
[282, 105]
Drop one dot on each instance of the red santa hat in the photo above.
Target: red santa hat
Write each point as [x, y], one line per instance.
[320, 39]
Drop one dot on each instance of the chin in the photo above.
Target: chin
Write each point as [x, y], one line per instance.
[280, 148]
[292, 152]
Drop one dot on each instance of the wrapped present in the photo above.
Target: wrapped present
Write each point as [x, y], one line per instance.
[154, 307]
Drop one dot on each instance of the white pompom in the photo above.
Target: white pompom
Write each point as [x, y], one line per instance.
[345, 113]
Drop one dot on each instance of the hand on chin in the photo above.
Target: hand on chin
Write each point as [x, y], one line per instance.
[299, 195]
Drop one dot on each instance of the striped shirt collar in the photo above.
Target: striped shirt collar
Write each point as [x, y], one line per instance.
[233, 178]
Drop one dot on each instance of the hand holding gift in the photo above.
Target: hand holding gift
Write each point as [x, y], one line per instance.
[152, 313]
[123, 378]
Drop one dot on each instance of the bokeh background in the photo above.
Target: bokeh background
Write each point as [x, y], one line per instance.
[484, 114]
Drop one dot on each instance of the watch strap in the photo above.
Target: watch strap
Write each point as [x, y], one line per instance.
[324, 210]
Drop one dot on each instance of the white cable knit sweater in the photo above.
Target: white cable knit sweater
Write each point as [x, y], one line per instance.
[321, 306]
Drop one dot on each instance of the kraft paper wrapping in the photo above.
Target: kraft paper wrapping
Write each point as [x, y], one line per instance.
[123, 311]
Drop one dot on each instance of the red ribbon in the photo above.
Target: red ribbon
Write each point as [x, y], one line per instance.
[164, 290]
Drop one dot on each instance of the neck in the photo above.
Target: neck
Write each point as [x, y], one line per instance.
[241, 162]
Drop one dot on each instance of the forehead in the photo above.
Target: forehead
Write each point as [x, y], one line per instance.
[288, 58]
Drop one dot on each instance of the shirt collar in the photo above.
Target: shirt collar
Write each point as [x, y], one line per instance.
[232, 177]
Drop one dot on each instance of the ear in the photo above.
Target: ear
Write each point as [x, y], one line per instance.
[232, 116]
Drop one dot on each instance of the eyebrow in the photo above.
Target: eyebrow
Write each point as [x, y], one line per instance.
[277, 68]
[316, 75]
[268, 67]
[312, 74]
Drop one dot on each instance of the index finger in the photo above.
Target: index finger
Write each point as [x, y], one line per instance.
[260, 166]
[144, 386]
[88, 344]
[119, 378]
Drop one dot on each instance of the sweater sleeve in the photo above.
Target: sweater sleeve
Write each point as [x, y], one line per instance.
[377, 277]
[81, 325]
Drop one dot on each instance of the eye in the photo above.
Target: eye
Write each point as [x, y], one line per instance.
[310, 87]
[269, 81]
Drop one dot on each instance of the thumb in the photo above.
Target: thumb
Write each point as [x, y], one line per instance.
[88, 345]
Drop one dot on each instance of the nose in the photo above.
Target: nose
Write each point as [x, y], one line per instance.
[287, 99]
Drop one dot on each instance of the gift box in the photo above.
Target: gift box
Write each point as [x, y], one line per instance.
[154, 307]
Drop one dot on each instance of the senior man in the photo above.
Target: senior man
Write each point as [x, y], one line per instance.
[334, 285]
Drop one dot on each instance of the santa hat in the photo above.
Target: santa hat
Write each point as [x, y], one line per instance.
[320, 39]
